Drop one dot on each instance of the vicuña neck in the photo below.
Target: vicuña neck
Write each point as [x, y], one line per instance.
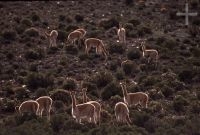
[84, 97]
[124, 91]
[73, 101]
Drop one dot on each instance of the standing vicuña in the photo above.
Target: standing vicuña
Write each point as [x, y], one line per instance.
[98, 44]
[134, 98]
[76, 35]
[45, 104]
[121, 32]
[84, 110]
[30, 106]
[52, 38]
[122, 113]
[95, 103]
[152, 54]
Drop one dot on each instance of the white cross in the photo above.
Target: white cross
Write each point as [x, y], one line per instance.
[186, 14]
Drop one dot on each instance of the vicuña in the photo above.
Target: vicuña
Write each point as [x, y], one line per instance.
[52, 38]
[122, 113]
[95, 103]
[98, 44]
[134, 98]
[80, 111]
[45, 104]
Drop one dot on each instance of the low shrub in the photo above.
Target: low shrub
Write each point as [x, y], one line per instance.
[71, 49]
[62, 35]
[120, 75]
[116, 48]
[41, 92]
[26, 23]
[70, 84]
[36, 80]
[130, 67]
[57, 122]
[60, 95]
[109, 23]
[133, 54]
[79, 18]
[9, 35]
[140, 118]
[179, 103]
[21, 93]
[34, 54]
[110, 90]
[35, 17]
[128, 2]
[102, 78]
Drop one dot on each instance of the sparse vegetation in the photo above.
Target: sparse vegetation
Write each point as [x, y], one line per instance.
[30, 69]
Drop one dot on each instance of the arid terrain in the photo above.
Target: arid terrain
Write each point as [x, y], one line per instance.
[29, 68]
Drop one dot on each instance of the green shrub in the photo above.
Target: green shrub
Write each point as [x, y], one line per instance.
[62, 35]
[9, 35]
[36, 80]
[61, 18]
[57, 122]
[79, 18]
[110, 90]
[128, 2]
[133, 54]
[120, 75]
[69, 19]
[71, 49]
[195, 107]
[33, 55]
[60, 95]
[109, 23]
[140, 118]
[167, 91]
[41, 92]
[135, 22]
[8, 106]
[52, 50]
[35, 17]
[21, 93]
[26, 23]
[195, 3]
[170, 44]
[83, 56]
[71, 28]
[144, 30]
[155, 94]
[26, 117]
[196, 52]
[130, 67]
[70, 84]
[179, 103]
[186, 75]
[102, 78]
[116, 48]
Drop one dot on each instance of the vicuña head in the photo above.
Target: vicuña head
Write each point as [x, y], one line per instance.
[45, 104]
[52, 38]
[95, 103]
[121, 32]
[98, 44]
[80, 111]
[30, 106]
[122, 113]
[134, 98]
